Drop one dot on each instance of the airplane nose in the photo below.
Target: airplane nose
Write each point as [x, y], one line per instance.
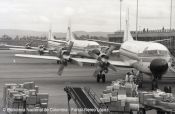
[158, 67]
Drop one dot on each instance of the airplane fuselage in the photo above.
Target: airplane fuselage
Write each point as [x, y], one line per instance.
[78, 47]
[83, 45]
[140, 54]
[52, 45]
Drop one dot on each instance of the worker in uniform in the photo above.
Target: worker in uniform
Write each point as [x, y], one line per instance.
[127, 77]
[131, 78]
[132, 72]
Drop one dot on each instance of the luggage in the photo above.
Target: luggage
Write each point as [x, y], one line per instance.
[26, 95]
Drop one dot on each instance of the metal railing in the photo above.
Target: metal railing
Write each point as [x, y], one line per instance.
[79, 99]
[95, 98]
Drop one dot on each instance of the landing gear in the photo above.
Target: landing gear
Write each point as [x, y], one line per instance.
[155, 80]
[154, 84]
[41, 52]
[161, 112]
[101, 76]
[98, 78]
[141, 111]
[58, 62]
[92, 64]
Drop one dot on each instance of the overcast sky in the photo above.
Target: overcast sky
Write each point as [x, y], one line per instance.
[86, 15]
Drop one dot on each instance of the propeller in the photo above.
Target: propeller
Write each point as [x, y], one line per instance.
[64, 55]
[41, 49]
[93, 55]
[28, 45]
[109, 51]
[63, 63]
[103, 63]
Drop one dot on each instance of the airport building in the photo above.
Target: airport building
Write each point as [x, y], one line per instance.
[149, 35]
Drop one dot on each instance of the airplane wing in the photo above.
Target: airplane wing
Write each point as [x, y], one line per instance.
[33, 49]
[58, 41]
[37, 56]
[115, 63]
[16, 46]
[22, 49]
[106, 42]
[82, 60]
[13, 46]
[85, 60]
[120, 64]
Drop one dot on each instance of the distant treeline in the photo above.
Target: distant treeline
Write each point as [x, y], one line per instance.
[84, 37]
[36, 40]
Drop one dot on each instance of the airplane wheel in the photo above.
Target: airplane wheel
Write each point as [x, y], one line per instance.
[103, 78]
[131, 112]
[58, 62]
[92, 64]
[160, 112]
[41, 52]
[141, 111]
[98, 78]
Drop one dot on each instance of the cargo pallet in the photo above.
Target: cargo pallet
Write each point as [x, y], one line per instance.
[159, 109]
[23, 98]
[148, 101]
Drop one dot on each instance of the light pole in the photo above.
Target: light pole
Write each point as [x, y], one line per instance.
[120, 15]
[137, 21]
[171, 8]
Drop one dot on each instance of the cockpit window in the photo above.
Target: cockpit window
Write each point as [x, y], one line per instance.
[152, 52]
[155, 52]
[162, 52]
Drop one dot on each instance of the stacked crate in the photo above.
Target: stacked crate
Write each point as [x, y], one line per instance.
[19, 98]
[157, 98]
[120, 96]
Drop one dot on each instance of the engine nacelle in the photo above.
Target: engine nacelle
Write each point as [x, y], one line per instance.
[158, 67]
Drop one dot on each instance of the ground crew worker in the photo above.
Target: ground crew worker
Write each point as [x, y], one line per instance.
[127, 77]
[132, 72]
[131, 78]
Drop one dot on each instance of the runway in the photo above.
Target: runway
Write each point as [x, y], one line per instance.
[44, 74]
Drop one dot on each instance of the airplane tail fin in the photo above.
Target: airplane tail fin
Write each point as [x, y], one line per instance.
[69, 36]
[127, 33]
[50, 36]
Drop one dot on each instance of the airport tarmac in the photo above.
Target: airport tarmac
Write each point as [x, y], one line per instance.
[44, 74]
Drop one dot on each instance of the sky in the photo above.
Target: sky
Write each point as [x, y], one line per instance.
[85, 15]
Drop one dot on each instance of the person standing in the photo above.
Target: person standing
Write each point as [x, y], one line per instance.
[127, 77]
